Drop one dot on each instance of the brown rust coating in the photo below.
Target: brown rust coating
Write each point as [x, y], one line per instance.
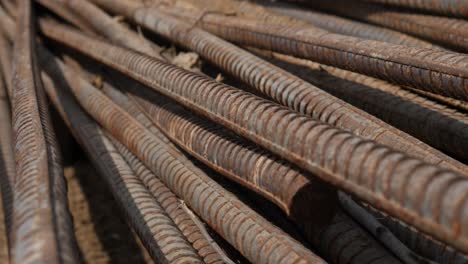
[41, 225]
[278, 181]
[7, 171]
[247, 231]
[257, 170]
[436, 71]
[431, 122]
[158, 232]
[348, 27]
[205, 247]
[112, 29]
[430, 198]
[420, 243]
[445, 7]
[450, 32]
[287, 89]
[59, 7]
[197, 235]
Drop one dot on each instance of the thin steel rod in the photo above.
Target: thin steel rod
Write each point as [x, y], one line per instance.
[41, 225]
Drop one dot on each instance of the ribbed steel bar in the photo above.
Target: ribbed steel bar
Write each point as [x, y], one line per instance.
[379, 231]
[348, 27]
[248, 232]
[436, 71]
[232, 7]
[196, 234]
[422, 195]
[7, 158]
[41, 224]
[112, 29]
[204, 246]
[7, 170]
[431, 122]
[450, 32]
[160, 235]
[454, 103]
[58, 7]
[298, 195]
[252, 167]
[420, 243]
[445, 7]
[286, 88]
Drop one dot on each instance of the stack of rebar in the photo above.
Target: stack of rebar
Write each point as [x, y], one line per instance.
[235, 131]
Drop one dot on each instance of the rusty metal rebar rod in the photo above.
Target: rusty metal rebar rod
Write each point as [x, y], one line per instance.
[112, 29]
[454, 103]
[450, 32]
[213, 146]
[290, 90]
[58, 7]
[420, 243]
[196, 234]
[431, 122]
[278, 181]
[419, 194]
[206, 249]
[348, 27]
[159, 233]
[445, 7]
[396, 63]
[41, 224]
[379, 231]
[7, 171]
[247, 231]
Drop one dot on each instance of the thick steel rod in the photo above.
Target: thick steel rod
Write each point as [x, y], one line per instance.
[450, 32]
[41, 224]
[348, 27]
[445, 7]
[374, 173]
[429, 121]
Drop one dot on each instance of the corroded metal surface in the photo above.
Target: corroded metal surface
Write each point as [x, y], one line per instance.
[348, 27]
[437, 71]
[58, 7]
[41, 225]
[431, 122]
[195, 234]
[374, 173]
[112, 29]
[263, 173]
[247, 231]
[160, 235]
[204, 246]
[299, 195]
[287, 89]
[450, 32]
[7, 171]
[421, 244]
[447, 7]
